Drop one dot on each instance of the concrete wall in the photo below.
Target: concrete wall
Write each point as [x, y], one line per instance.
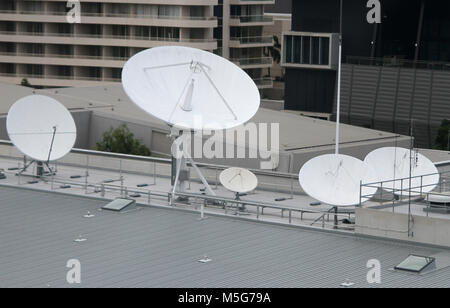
[82, 121]
[426, 230]
[358, 150]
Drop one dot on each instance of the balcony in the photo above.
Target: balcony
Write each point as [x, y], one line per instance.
[250, 2]
[56, 81]
[264, 83]
[240, 21]
[246, 42]
[104, 40]
[59, 59]
[249, 63]
[112, 19]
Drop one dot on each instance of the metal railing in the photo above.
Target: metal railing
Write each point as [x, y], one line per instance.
[114, 15]
[254, 61]
[253, 19]
[398, 62]
[264, 82]
[63, 56]
[111, 185]
[403, 190]
[59, 77]
[254, 40]
[105, 36]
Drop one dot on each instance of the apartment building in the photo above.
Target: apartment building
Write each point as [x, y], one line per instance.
[38, 43]
[241, 37]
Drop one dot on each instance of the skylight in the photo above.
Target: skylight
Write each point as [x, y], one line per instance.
[415, 264]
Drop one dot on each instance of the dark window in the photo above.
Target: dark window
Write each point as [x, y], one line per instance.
[309, 50]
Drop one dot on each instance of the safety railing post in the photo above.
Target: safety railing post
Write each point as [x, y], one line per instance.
[217, 178]
[292, 187]
[421, 185]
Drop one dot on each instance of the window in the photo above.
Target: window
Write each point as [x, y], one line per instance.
[309, 50]
[168, 11]
[415, 264]
[146, 10]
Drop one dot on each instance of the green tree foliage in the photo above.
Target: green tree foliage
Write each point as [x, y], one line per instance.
[442, 139]
[274, 51]
[26, 83]
[121, 140]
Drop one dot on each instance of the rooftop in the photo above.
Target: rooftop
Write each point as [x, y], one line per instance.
[155, 247]
[295, 130]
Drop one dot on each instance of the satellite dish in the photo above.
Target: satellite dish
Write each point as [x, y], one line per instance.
[238, 180]
[393, 164]
[335, 179]
[190, 88]
[41, 128]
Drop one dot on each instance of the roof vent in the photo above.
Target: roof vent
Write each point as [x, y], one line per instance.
[120, 205]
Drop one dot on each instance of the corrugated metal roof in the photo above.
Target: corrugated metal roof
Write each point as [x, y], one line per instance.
[154, 247]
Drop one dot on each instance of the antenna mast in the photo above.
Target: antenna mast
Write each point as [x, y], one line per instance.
[338, 112]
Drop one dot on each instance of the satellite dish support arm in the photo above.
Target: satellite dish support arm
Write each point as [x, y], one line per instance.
[187, 158]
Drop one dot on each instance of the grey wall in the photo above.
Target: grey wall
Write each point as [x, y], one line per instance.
[82, 121]
[386, 98]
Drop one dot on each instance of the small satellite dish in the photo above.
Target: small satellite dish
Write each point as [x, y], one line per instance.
[335, 179]
[41, 128]
[190, 88]
[238, 180]
[393, 164]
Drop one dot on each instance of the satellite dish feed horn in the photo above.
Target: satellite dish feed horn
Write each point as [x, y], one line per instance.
[187, 106]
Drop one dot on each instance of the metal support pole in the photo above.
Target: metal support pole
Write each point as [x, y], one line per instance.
[53, 175]
[217, 179]
[121, 178]
[292, 187]
[336, 222]
[338, 108]
[18, 175]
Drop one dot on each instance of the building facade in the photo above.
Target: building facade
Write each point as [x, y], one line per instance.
[38, 43]
[241, 37]
[395, 72]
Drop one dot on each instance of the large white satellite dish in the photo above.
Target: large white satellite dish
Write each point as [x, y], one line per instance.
[393, 164]
[190, 88]
[335, 179]
[41, 128]
[238, 180]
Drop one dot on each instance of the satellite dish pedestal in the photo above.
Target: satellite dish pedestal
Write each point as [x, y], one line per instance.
[39, 170]
[181, 169]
